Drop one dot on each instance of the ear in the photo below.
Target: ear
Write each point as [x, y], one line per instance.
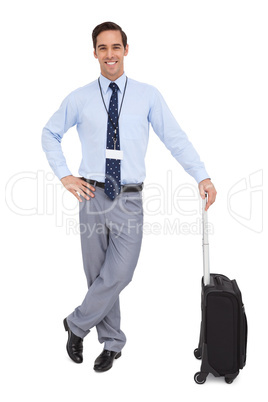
[126, 50]
[95, 54]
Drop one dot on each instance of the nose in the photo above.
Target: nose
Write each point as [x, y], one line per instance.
[110, 53]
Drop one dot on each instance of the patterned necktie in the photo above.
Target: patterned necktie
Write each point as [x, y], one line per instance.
[112, 173]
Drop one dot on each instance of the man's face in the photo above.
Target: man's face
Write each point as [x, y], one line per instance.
[110, 52]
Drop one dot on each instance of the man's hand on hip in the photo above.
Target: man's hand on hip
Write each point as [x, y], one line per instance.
[206, 186]
[77, 186]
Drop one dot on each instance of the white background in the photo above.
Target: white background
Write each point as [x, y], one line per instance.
[209, 60]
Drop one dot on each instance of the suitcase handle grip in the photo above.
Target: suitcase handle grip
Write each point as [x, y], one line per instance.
[205, 243]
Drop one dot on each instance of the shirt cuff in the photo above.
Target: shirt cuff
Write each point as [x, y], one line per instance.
[201, 175]
[62, 171]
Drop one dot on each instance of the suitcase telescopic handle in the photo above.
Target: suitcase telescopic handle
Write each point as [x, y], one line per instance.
[205, 243]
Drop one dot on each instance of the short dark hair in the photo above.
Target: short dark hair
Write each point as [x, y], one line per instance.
[108, 26]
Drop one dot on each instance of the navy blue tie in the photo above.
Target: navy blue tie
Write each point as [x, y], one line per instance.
[112, 186]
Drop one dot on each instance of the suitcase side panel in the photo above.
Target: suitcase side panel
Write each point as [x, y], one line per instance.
[243, 327]
[223, 340]
[221, 332]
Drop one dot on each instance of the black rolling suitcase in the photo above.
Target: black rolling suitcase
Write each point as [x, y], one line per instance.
[223, 335]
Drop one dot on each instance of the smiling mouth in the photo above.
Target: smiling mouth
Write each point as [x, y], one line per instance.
[110, 63]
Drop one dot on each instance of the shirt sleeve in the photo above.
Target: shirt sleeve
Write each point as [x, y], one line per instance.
[64, 118]
[170, 133]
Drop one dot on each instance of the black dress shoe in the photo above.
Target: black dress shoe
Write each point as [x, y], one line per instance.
[105, 360]
[74, 344]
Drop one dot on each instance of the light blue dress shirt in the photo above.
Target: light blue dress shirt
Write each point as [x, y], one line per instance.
[143, 105]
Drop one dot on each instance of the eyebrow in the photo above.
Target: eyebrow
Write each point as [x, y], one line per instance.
[115, 44]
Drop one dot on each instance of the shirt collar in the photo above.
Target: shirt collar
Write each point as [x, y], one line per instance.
[120, 82]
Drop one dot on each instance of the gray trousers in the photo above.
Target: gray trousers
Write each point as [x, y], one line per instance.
[111, 236]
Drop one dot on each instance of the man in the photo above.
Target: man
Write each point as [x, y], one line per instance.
[112, 115]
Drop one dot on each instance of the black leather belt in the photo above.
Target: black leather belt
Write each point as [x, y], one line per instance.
[126, 188]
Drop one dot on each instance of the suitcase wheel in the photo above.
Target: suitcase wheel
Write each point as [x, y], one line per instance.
[200, 378]
[197, 353]
[228, 380]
